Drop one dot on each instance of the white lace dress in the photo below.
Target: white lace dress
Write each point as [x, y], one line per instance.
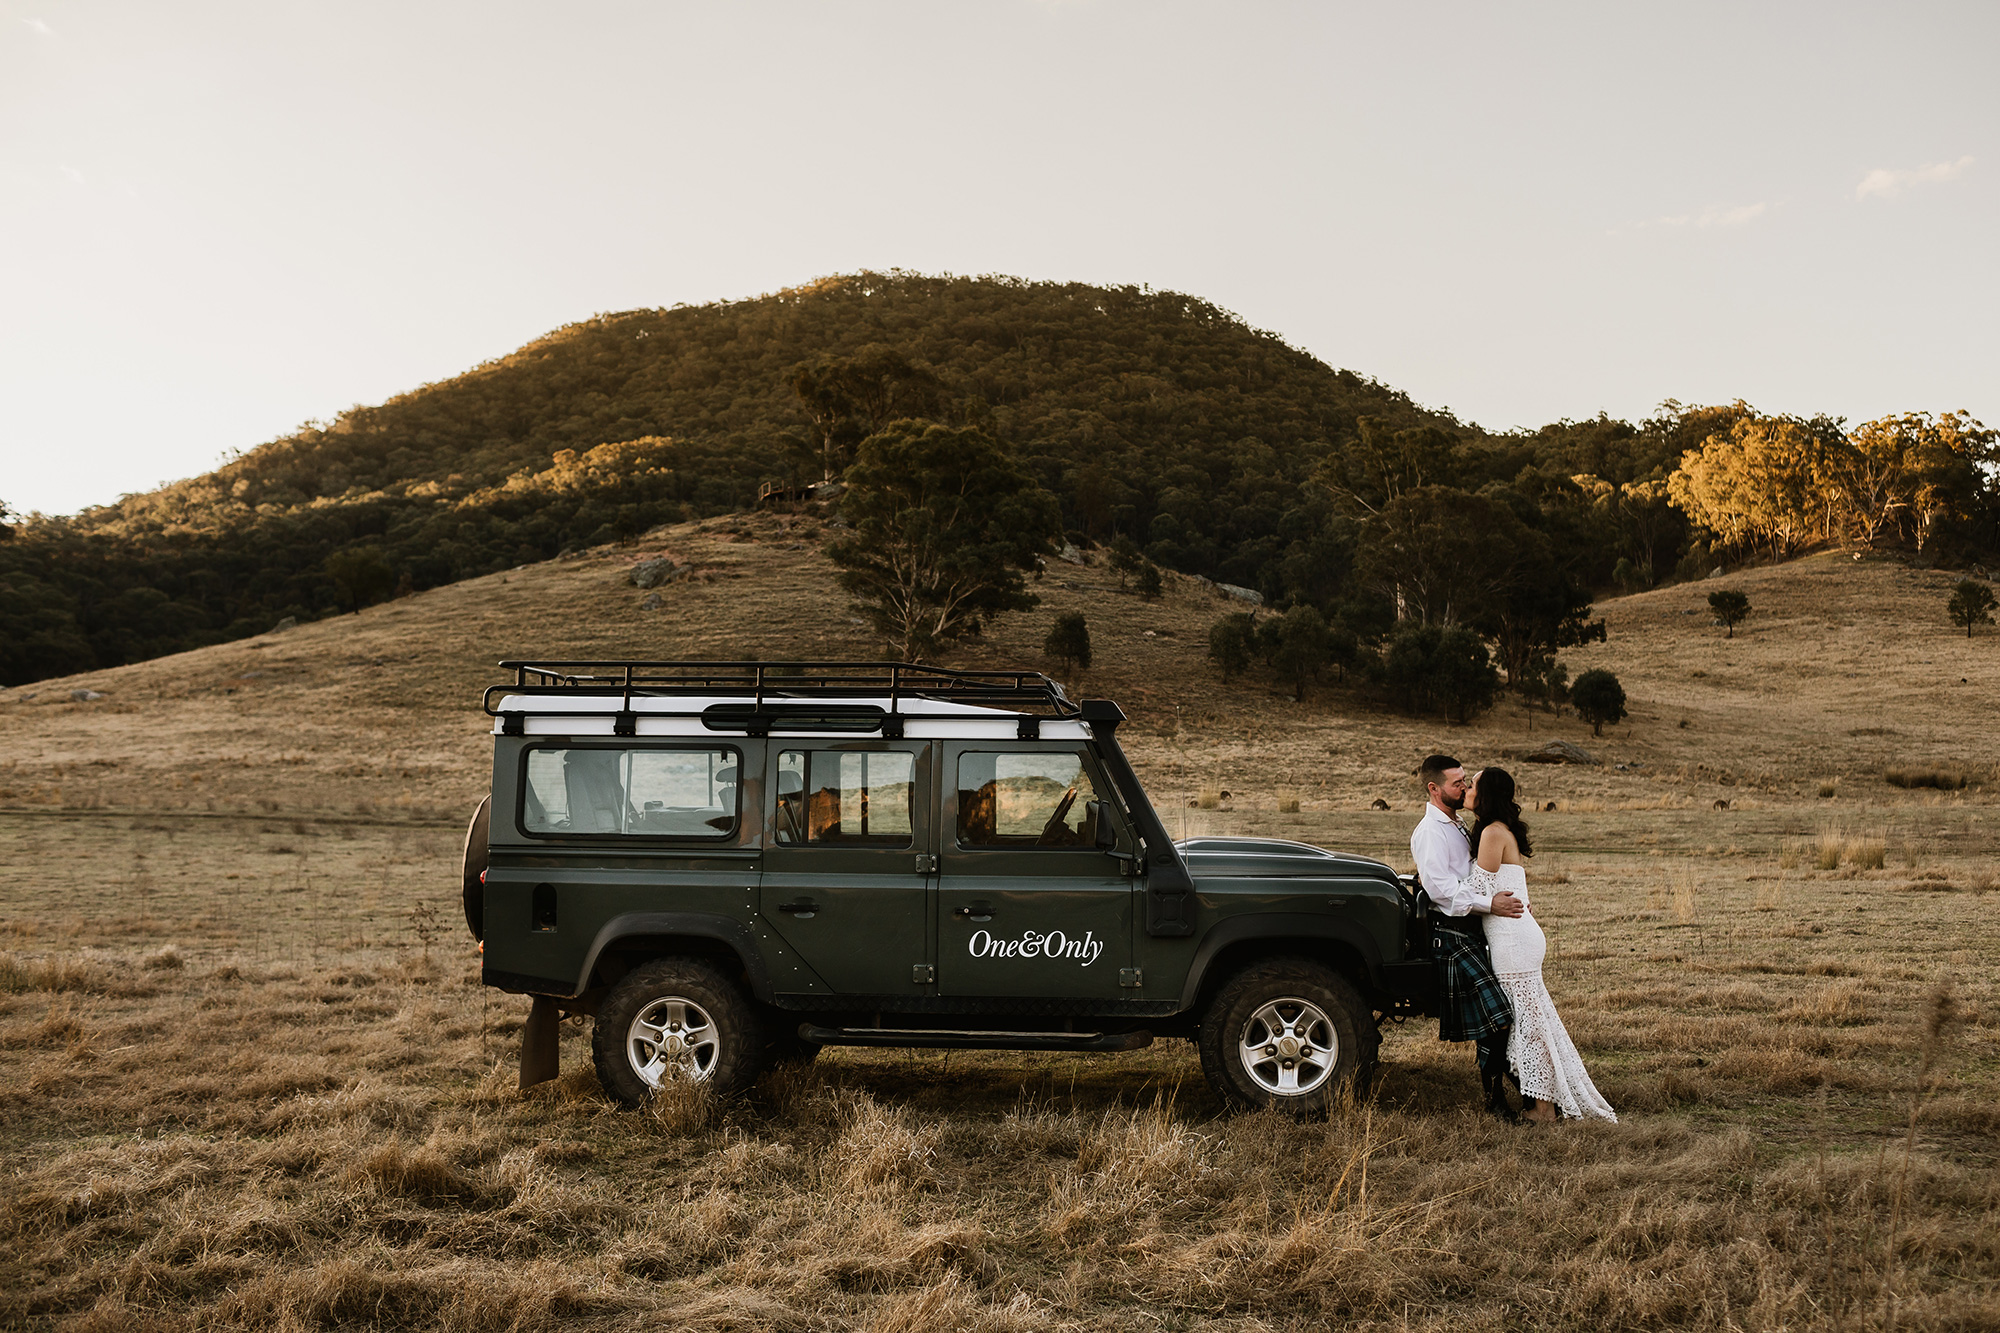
[1539, 1050]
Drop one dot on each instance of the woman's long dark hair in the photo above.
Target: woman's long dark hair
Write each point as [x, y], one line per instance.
[1495, 804]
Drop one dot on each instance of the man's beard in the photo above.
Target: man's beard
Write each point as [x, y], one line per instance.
[1454, 802]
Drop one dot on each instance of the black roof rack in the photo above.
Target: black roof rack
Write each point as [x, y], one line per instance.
[771, 686]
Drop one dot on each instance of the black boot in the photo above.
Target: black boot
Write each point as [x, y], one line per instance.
[1493, 1075]
[1527, 1103]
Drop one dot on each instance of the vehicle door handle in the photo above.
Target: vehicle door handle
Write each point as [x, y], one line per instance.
[801, 910]
[974, 911]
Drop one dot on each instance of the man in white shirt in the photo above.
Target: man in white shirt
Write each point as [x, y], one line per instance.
[1472, 1006]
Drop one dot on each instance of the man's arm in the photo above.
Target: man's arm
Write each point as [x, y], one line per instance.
[1435, 868]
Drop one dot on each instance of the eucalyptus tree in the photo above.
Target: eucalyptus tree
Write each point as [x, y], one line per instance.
[944, 524]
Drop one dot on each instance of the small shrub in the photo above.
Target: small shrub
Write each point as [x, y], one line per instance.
[1731, 609]
[1230, 640]
[424, 921]
[1288, 805]
[1151, 584]
[1832, 846]
[1910, 777]
[1829, 788]
[1069, 640]
[1598, 698]
[1298, 645]
[1432, 668]
[1971, 604]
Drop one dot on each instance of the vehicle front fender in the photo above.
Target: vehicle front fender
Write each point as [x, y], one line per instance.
[1280, 930]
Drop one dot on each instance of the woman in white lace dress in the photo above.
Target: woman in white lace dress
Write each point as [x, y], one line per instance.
[1543, 1059]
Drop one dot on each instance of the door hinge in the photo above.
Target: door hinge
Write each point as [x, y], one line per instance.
[1130, 976]
[926, 863]
[923, 974]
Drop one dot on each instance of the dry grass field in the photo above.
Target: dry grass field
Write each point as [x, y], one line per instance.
[248, 1078]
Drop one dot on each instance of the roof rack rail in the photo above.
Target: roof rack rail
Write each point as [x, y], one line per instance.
[1029, 693]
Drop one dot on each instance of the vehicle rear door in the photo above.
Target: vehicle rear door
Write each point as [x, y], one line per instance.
[1028, 904]
[847, 860]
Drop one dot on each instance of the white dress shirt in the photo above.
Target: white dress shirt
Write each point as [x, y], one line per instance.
[1443, 854]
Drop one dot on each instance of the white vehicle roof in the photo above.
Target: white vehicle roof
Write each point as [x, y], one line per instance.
[556, 714]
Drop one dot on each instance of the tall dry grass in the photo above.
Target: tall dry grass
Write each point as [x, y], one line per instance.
[337, 1143]
[1685, 889]
[307, 1125]
[1941, 777]
[1835, 846]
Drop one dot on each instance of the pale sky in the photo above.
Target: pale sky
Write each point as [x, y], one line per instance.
[219, 220]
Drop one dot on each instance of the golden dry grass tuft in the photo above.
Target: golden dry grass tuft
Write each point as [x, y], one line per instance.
[1866, 852]
[1915, 776]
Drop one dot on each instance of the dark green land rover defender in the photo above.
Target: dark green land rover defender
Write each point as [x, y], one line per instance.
[728, 864]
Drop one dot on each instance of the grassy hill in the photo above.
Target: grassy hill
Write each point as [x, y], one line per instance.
[1799, 697]
[1129, 404]
[248, 1078]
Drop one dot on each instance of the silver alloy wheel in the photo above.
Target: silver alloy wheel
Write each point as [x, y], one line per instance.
[1289, 1047]
[672, 1037]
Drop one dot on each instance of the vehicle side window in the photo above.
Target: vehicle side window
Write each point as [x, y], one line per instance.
[1024, 800]
[634, 792]
[847, 798]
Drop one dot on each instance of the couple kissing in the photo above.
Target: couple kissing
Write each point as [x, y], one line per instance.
[1488, 947]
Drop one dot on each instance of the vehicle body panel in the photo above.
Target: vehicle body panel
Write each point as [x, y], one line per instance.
[858, 915]
[931, 923]
[1027, 920]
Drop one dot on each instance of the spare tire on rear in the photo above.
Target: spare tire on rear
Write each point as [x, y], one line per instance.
[472, 864]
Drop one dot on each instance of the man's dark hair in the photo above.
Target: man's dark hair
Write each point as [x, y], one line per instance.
[1433, 769]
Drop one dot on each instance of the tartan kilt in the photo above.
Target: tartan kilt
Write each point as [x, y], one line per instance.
[1471, 1004]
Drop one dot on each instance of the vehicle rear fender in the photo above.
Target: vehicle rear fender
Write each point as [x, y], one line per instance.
[656, 934]
[1237, 941]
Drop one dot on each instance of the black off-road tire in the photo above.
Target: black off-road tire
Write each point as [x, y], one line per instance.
[1244, 1051]
[722, 1035]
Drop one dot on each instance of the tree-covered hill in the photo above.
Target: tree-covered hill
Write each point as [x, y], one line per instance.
[1132, 405]
[1162, 425]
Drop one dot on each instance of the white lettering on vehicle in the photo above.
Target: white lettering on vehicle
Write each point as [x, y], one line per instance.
[1038, 944]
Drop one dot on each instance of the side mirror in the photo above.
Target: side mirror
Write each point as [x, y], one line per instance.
[1107, 835]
